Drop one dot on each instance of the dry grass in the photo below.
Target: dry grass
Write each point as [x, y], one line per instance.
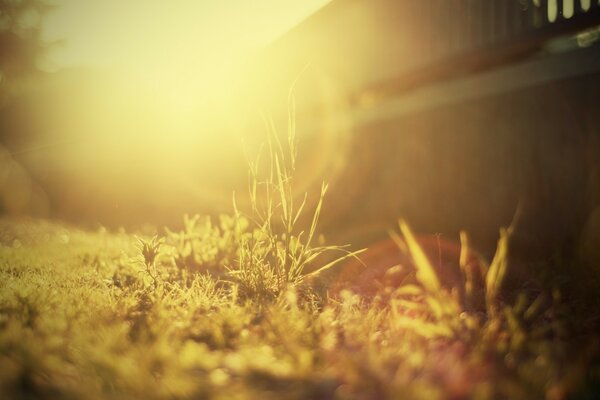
[81, 317]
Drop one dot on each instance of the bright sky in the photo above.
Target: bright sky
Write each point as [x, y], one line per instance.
[180, 50]
[165, 34]
[160, 83]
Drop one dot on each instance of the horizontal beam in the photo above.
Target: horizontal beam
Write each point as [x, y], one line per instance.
[491, 83]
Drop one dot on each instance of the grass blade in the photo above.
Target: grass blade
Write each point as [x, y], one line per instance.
[425, 273]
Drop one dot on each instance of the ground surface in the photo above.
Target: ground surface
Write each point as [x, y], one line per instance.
[89, 315]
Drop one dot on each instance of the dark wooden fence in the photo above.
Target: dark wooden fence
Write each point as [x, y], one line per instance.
[460, 36]
[450, 113]
[384, 47]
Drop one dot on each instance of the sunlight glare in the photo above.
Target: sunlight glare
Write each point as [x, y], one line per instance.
[151, 94]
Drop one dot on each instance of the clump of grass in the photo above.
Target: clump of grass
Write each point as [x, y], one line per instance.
[277, 253]
[203, 246]
[517, 339]
[447, 314]
[264, 251]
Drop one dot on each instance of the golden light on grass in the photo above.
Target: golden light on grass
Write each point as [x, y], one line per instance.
[153, 104]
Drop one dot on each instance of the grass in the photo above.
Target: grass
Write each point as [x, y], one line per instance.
[97, 315]
[231, 310]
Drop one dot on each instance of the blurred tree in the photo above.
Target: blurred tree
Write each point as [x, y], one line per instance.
[21, 46]
[21, 43]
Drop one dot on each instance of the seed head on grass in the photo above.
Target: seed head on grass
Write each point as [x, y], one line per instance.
[150, 250]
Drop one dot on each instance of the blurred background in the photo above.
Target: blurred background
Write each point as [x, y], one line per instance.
[125, 113]
[451, 114]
